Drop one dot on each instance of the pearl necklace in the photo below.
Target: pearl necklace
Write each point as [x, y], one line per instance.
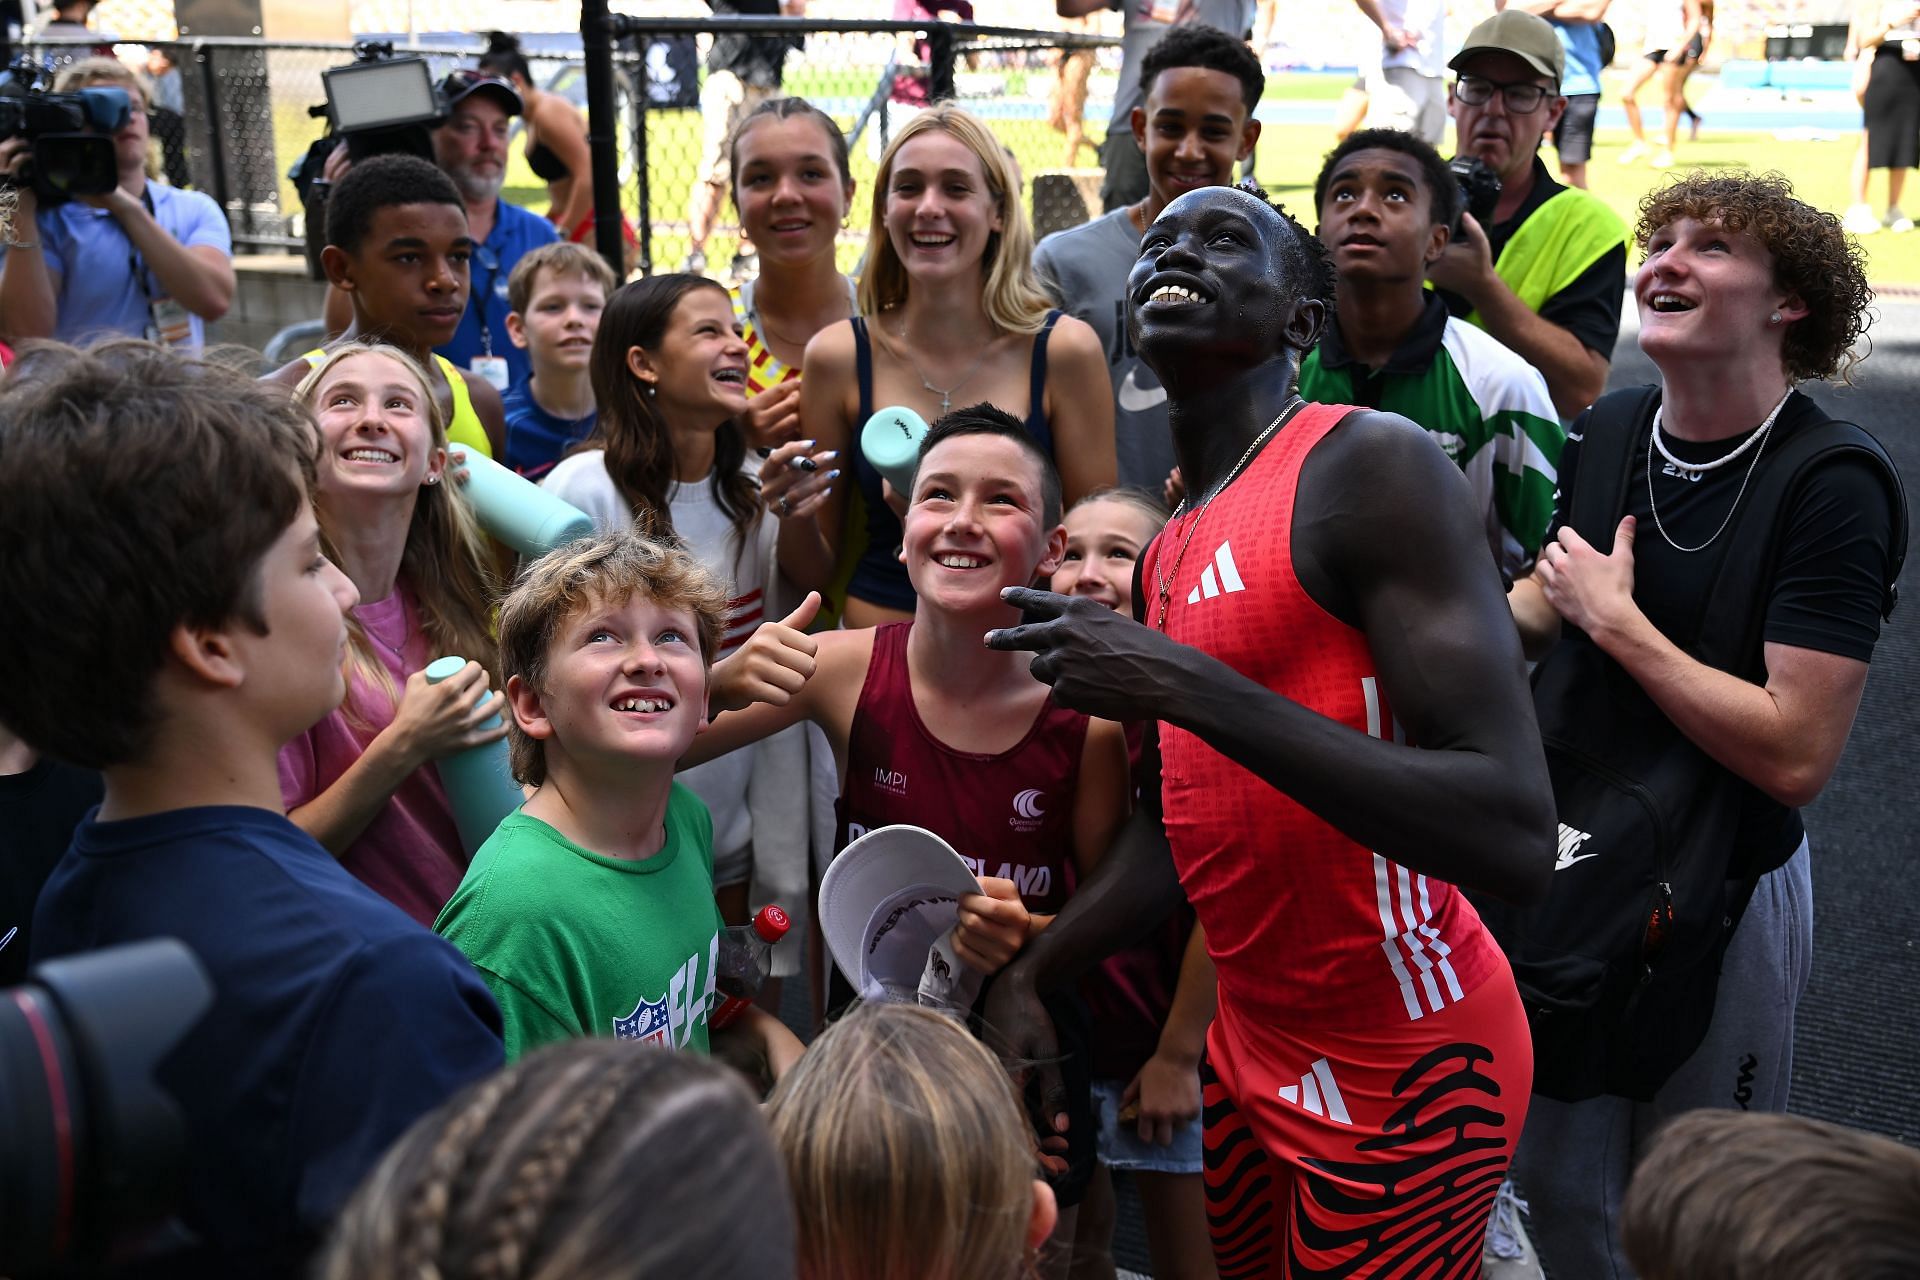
[1688, 470]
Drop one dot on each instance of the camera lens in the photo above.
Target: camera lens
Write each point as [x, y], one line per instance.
[39, 1168]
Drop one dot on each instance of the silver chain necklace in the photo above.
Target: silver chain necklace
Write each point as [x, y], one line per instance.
[1758, 438]
[946, 395]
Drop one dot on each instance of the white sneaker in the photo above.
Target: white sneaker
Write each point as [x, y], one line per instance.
[1508, 1254]
[1897, 221]
[1662, 159]
[1634, 152]
[1860, 221]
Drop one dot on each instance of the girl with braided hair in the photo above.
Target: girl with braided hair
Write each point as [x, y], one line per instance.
[572, 1165]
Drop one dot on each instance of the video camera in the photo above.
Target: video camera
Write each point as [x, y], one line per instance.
[95, 1151]
[378, 104]
[72, 134]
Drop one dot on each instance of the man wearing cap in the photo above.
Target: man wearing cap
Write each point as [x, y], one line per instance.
[1546, 277]
[471, 148]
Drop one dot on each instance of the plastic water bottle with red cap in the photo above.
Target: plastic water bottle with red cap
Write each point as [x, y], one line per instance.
[746, 958]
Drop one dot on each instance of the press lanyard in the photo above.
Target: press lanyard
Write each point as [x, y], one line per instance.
[167, 321]
[491, 261]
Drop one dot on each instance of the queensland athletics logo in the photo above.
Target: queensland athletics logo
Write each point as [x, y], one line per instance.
[1028, 810]
[648, 1023]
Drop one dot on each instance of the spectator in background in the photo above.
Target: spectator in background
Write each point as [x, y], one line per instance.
[471, 148]
[1676, 37]
[166, 107]
[558, 292]
[62, 275]
[556, 146]
[1194, 123]
[1405, 89]
[1729, 1195]
[1386, 201]
[1553, 294]
[164, 90]
[1891, 101]
[590, 1160]
[1577, 23]
[742, 72]
[1145, 22]
[69, 22]
[950, 308]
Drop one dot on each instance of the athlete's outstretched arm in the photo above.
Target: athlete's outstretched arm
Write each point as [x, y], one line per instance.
[1394, 547]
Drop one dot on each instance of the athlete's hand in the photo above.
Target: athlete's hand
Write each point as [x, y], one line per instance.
[1591, 589]
[772, 418]
[1164, 1096]
[774, 664]
[1097, 659]
[993, 925]
[1466, 265]
[436, 720]
[1019, 1026]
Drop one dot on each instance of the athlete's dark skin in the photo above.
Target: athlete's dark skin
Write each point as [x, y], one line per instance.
[1386, 538]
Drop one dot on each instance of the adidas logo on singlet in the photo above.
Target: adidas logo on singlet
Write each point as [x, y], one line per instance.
[1221, 577]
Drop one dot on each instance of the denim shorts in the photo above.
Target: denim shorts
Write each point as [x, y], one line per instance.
[1120, 1144]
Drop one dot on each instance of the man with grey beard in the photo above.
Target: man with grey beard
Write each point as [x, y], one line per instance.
[471, 148]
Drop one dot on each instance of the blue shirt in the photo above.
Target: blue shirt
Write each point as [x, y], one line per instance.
[536, 438]
[89, 256]
[1581, 40]
[515, 233]
[337, 1021]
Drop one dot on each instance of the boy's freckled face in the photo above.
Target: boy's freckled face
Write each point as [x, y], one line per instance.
[975, 524]
[410, 274]
[624, 681]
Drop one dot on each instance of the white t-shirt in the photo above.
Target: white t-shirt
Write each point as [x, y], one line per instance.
[1426, 19]
[702, 525]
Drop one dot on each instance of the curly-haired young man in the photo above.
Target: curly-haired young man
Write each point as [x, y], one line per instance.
[1724, 617]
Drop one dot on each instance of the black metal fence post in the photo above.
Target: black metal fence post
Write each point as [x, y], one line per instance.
[596, 39]
[216, 135]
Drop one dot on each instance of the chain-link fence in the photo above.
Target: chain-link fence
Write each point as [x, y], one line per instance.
[236, 116]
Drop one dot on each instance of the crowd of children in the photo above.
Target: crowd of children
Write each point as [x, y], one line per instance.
[228, 593]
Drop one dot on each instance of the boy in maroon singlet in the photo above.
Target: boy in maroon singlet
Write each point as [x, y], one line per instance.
[931, 728]
[1343, 734]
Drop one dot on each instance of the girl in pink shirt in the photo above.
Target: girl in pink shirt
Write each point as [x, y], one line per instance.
[356, 781]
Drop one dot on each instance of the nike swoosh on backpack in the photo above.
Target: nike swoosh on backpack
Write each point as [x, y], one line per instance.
[1564, 860]
[1135, 398]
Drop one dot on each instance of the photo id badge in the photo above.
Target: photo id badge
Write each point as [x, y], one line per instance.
[493, 369]
[169, 323]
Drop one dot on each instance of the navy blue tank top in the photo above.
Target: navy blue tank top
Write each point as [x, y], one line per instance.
[879, 577]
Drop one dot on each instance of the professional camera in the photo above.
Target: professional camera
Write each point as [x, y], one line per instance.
[376, 105]
[71, 133]
[1479, 190]
[94, 1151]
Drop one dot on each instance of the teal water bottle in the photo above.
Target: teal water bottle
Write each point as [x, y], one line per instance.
[479, 782]
[891, 441]
[517, 511]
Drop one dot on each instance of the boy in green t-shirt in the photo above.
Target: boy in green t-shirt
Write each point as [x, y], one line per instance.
[590, 910]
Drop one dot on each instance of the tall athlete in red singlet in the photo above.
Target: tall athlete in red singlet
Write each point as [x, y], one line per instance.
[1344, 734]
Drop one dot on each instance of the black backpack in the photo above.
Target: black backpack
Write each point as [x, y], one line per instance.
[1618, 967]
